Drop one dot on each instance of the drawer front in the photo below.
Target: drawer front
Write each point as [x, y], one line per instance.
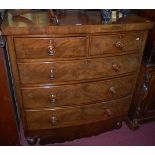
[39, 48]
[115, 43]
[63, 71]
[61, 117]
[79, 94]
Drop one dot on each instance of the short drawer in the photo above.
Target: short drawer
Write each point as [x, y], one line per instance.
[64, 71]
[77, 94]
[107, 44]
[55, 118]
[41, 48]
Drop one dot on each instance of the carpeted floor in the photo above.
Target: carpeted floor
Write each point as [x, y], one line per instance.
[145, 135]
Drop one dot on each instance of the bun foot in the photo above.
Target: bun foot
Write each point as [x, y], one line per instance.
[135, 123]
[32, 141]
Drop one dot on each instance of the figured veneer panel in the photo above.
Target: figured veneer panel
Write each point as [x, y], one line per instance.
[55, 118]
[73, 81]
[77, 94]
[115, 43]
[64, 71]
[39, 48]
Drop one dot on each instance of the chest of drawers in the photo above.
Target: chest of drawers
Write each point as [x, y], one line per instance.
[74, 81]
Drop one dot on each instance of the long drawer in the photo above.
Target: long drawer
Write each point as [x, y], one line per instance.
[77, 94]
[63, 71]
[55, 118]
[115, 43]
[39, 48]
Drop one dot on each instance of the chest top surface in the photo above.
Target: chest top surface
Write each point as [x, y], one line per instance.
[70, 22]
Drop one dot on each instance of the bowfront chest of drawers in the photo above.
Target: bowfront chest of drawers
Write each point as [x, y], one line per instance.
[73, 80]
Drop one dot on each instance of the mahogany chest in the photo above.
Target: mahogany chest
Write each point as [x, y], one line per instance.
[75, 79]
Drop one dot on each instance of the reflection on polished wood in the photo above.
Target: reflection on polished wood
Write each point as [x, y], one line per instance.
[75, 75]
[77, 94]
[91, 22]
[76, 115]
[86, 69]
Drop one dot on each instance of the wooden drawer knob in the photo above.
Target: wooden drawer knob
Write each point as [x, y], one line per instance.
[119, 45]
[54, 120]
[116, 67]
[52, 95]
[52, 75]
[52, 98]
[51, 50]
[137, 39]
[112, 90]
[108, 112]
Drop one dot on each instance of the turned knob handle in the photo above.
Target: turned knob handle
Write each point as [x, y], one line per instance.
[53, 98]
[52, 74]
[108, 112]
[112, 90]
[51, 51]
[52, 95]
[119, 45]
[116, 67]
[51, 47]
[54, 120]
[137, 39]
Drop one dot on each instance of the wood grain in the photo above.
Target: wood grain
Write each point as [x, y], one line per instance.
[115, 43]
[42, 119]
[65, 71]
[91, 23]
[38, 48]
[90, 61]
[77, 94]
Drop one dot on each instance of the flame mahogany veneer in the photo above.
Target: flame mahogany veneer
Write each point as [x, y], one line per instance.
[75, 79]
